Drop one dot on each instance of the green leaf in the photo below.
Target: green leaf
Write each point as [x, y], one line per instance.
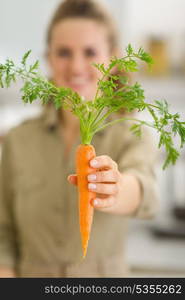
[109, 98]
[34, 66]
[129, 50]
[100, 67]
[162, 106]
[179, 128]
[123, 80]
[172, 157]
[23, 62]
[136, 129]
[144, 56]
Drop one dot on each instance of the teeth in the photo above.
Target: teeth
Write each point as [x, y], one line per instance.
[78, 81]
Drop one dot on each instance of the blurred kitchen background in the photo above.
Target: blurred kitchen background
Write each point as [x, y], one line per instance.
[155, 247]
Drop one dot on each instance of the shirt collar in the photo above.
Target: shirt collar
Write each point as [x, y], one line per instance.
[51, 118]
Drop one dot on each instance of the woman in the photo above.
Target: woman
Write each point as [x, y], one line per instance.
[39, 235]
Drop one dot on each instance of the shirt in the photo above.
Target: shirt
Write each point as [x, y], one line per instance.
[39, 224]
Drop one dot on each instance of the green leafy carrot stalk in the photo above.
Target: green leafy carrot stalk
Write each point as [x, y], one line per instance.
[109, 99]
[93, 114]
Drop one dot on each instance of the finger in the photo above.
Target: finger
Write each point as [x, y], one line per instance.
[103, 161]
[101, 196]
[73, 179]
[104, 203]
[103, 188]
[104, 176]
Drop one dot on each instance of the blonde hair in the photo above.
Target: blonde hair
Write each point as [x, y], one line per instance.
[87, 9]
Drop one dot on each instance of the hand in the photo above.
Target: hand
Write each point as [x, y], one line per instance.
[6, 272]
[106, 181]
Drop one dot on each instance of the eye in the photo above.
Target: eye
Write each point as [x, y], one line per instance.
[63, 52]
[90, 52]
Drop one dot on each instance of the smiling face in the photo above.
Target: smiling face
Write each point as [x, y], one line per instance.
[74, 45]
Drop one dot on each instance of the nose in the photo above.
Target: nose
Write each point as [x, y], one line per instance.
[77, 64]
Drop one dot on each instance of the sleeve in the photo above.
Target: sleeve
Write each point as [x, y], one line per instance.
[139, 159]
[8, 249]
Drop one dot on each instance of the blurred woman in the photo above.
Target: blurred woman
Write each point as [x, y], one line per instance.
[39, 230]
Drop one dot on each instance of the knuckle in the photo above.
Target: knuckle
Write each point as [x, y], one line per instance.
[105, 189]
[106, 176]
[106, 158]
[115, 189]
[115, 175]
[104, 203]
[109, 202]
[101, 176]
[109, 176]
[115, 165]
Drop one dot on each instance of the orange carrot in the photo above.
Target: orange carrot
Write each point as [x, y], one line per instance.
[84, 154]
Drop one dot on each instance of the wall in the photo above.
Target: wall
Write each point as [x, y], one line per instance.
[159, 17]
[23, 25]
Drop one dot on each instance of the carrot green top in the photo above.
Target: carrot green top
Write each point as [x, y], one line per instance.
[109, 99]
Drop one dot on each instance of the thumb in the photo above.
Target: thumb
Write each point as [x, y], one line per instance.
[72, 179]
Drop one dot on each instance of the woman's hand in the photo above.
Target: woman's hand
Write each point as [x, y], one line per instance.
[114, 191]
[6, 272]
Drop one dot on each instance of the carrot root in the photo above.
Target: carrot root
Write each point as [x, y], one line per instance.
[84, 154]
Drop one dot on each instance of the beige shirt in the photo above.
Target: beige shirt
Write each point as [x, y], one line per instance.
[39, 227]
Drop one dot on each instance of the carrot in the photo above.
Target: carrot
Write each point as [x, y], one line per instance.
[84, 154]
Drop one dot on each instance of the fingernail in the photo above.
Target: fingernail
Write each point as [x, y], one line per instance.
[91, 177]
[92, 186]
[95, 202]
[94, 163]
